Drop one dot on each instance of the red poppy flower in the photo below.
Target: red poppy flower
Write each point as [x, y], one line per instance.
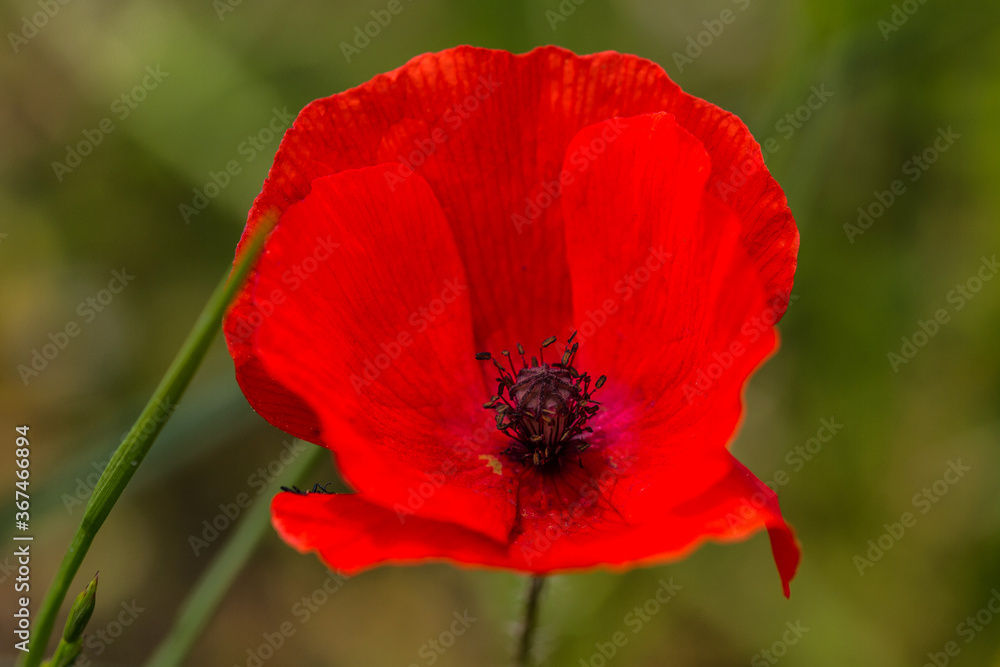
[475, 201]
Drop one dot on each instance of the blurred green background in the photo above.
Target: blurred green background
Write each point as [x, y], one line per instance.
[218, 70]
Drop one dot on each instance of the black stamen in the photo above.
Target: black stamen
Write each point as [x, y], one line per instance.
[510, 361]
[546, 407]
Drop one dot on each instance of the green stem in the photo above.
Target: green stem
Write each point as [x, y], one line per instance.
[216, 580]
[535, 585]
[141, 436]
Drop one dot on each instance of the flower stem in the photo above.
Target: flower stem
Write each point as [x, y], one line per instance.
[216, 580]
[530, 621]
[130, 453]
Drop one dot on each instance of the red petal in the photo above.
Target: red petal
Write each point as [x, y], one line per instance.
[748, 505]
[375, 336]
[676, 316]
[352, 534]
[499, 157]
[493, 163]
[669, 316]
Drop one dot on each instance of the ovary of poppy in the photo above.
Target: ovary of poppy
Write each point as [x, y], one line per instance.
[473, 201]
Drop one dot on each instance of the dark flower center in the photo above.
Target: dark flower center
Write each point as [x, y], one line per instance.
[543, 407]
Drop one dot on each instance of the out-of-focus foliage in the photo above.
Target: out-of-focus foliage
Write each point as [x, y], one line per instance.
[212, 77]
